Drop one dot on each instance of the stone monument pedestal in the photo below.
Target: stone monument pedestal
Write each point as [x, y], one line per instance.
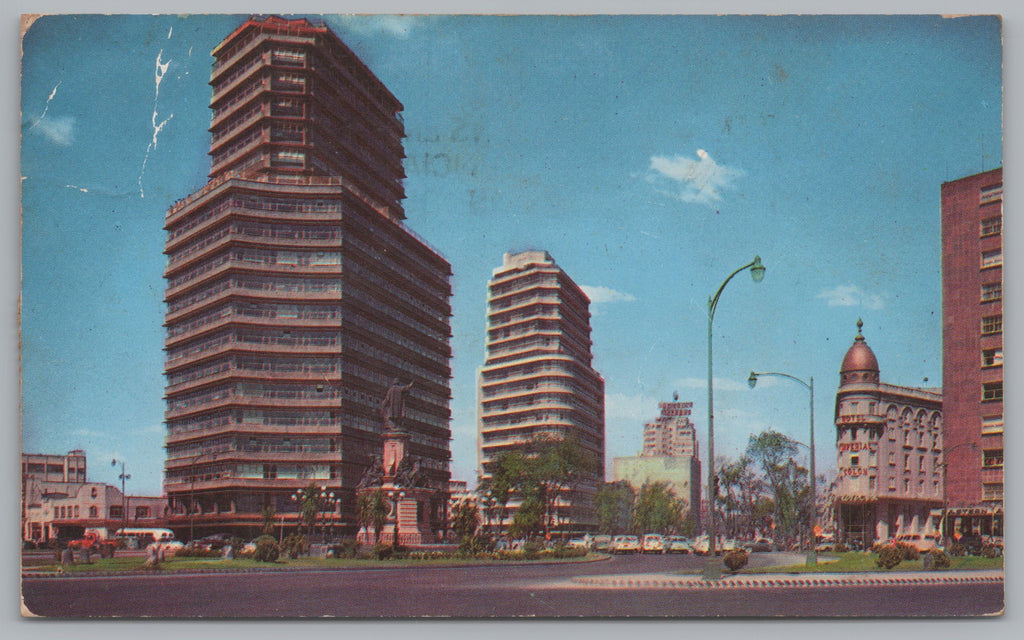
[409, 521]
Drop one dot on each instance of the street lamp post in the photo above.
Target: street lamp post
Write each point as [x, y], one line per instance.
[124, 497]
[711, 570]
[812, 554]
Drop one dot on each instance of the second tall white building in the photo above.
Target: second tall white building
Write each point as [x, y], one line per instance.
[538, 378]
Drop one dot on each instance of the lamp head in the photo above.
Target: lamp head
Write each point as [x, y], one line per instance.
[757, 270]
[752, 380]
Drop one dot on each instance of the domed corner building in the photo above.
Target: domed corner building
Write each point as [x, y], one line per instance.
[889, 443]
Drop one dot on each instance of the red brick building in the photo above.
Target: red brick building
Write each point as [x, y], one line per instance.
[295, 293]
[972, 337]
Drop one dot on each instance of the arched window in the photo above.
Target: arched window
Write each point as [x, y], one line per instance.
[93, 512]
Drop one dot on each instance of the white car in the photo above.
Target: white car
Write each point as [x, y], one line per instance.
[653, 543]
[701, 545]
[579, 543]
[170, 547]
[677, 544]
[625, 544]
[920, 541]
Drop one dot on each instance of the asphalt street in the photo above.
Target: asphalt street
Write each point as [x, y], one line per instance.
[471, 592]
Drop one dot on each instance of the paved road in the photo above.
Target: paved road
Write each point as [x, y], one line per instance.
[501, 591]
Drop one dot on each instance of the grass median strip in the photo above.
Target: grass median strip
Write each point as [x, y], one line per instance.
[859, 562]
[184, 565]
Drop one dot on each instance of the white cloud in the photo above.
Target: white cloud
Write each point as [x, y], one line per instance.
[396, 26]
[849, 295]
[59, 130]
[698, 180]
[635, 409]
[603, 295]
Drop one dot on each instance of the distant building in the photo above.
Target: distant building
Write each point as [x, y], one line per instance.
[295, 293]
[889, 442]
[538, 379]
[671, 433]
[670, 455]
[972, 350]
[59, 502]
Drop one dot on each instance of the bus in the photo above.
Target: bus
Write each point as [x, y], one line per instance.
[141, 537]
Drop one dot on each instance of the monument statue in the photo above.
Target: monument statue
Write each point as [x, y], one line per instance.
[392, 408]
[374, 474]
[408, 473]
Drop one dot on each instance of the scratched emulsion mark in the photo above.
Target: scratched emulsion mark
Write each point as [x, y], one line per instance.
[161, 69]
[47, 105]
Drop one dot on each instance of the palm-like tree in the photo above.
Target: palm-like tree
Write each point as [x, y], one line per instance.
[373, 509]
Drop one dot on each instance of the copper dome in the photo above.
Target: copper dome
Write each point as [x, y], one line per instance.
[860, 357]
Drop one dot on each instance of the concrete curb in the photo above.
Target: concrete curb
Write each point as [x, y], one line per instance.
[763, 581]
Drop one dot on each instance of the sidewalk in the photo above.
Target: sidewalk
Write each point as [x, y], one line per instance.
[767, 580]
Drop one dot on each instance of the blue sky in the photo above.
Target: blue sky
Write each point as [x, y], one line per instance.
[650, 155]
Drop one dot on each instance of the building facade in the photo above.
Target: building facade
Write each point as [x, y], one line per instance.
[890, 453]
[670, 455]
[972, 348]
[295, 293]
[671, 433]
[538, 380]
[58, 501]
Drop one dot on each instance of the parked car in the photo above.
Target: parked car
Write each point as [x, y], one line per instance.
[760, 545]
[602, 542]
[653, 543]
[920, 541]
[170, 547]
[625, 544]
[727, 545]
[701, 545]
[579, 543]
[678, 544]
[213, 542]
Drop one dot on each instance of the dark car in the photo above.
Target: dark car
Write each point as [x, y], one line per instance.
[213, 542]
[760, 545]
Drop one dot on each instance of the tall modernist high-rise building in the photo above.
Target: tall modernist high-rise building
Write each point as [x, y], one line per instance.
[972, 347]
[295, 294]
[538, 379]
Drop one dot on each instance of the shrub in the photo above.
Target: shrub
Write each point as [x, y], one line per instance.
[841, 548]
[189, 552]
[889, 556]
[532, 549]
[345, 549]
[476, 544]
[236, 544]
[295, 545]
[267, 549]
[877, 547]
[908, 551]
[939, 559]
[990, 551]
[382, 551]
[957, 550]
[735, 560]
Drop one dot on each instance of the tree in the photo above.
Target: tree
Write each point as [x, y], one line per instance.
[309, 506]
[268, 520]
[508, 472]
[557, 465]
[787, 480]
[657, 509]
[372, 509]
[614, 503]
[465, 519]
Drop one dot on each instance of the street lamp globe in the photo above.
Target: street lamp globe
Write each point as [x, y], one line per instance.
[752, 380]
[757, 269]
